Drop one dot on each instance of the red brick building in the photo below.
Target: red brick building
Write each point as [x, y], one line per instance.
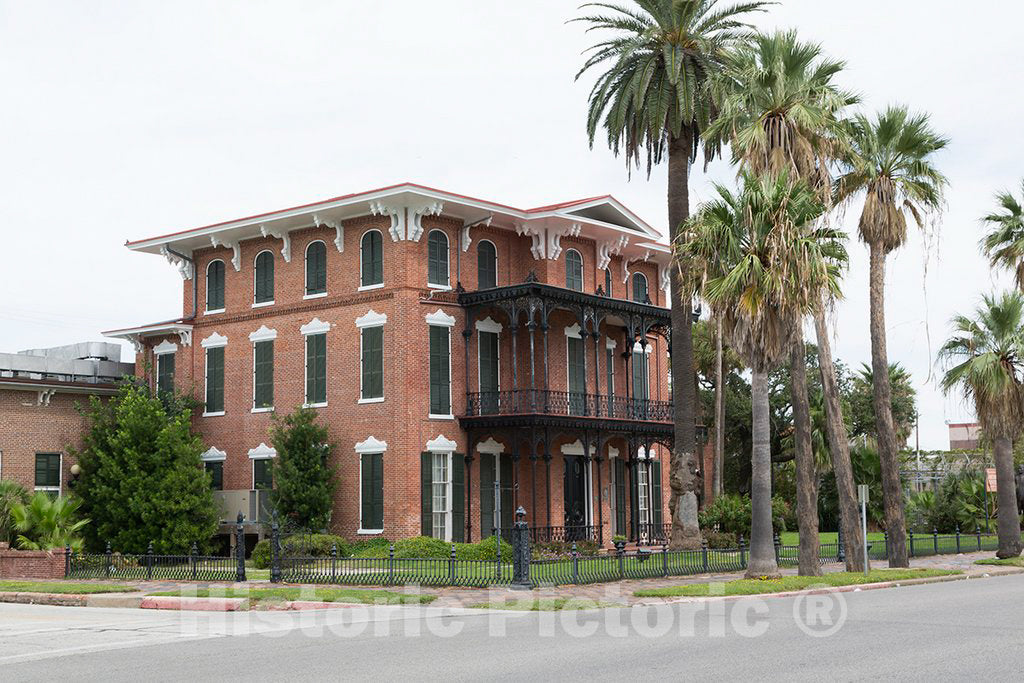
[468, 358]
[39, 422]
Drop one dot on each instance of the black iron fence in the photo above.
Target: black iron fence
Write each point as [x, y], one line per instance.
[547, 402]
[558, 534]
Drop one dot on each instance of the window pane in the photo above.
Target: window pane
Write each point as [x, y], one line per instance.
[216, 470]
[263, 374]
[215, 286]
[608, 281]
[47, 471]
[215, 380]
[639, 288]
[574, 270]
[440, 495]
[372, 259]
[437, 258]
[440, 370]
[316, 368]
[487, 265]
[264, 278]
[372, 491]
[262, 475]
[373, 362]
[165, 373]
[316, 268]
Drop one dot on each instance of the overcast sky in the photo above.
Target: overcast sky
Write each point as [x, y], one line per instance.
[123, 120]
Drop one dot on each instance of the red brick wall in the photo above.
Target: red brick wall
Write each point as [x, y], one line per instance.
[31, 564]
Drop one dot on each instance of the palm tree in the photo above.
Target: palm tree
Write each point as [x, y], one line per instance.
[780, 111]
[46, 522]
[653, 103]
[1004, 243]
[774, 265]
[891, 162]
[986, 355]
[11, 493]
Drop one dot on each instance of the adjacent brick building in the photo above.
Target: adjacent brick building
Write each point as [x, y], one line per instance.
[468, 358]
[39, 394]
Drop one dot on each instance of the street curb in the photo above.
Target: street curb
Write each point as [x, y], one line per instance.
[171, 602]
[58, 599]
[301, 605]
[853, 588]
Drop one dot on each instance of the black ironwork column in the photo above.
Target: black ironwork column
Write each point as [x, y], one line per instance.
[597, 370]
[547, 387]
[547, 474]
[513, 329]
[467, 336]
[533, 469]
[532, 327]
[587, 472]
[469, 494]
[600, 511]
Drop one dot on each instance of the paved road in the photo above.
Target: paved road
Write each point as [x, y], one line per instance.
[959, 630]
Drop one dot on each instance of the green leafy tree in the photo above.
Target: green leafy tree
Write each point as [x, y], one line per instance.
[11, 494]
[142, 479]
[862, 407]
[654, 103]
[890, 162]
[1003, 244]
[46, 522]
[985, 360]
[304, 479]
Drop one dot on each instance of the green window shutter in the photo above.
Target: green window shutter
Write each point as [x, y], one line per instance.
[620, 496]
[608, 281]
[264, 278]
[639, 288]
[440, 371]
[316, 268]
[215, 379]
[574, 270]
[373, 362]
[486, 265]
[263, 374]
[372, 491]
[47, 470]
[215, 286]
[216, 470]
[508, 481]
[165, 373]
[486, 494]
[640, 375]
[372, 269]
[458, 497]
[426, 494]
[437, 258]
[634, 500]
[656, 516]
[577, 375]
[488, 344]
[316, 368]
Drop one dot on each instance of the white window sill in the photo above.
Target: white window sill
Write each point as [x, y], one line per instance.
[47, 489]
[379, 399]
[263, 304]
[440, 288]
[315, 405]
[319, 295]
[263, 410]
[367, 288]
[440, 417]
[370, 532]
[213, 312]
[217, 413]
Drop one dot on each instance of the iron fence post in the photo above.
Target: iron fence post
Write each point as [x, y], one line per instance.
[840, 550]
[885, 541]
[977, 532]
[67, 560]
[575, 565]
[620, 550]
[334, 561]
[664, 558]
[193, 551]
[108, 555]
[704, 555]
[149, 562]
[521, 550]
[497, 543]
[451, 567]
[240, 548]
[957, 539]
[391, 564]
[935, 540]
[778, 549]
[911, 535]
[275, 549]
[743, 553]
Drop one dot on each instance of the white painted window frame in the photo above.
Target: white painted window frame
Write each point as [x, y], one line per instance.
[265, 303]
[264, 334]
[305, 275]
[212, 342]
[379, 285]
[369, 446]
[59, 488]
[206, 304]
[441, 319]
[368, 320]
[447, 262]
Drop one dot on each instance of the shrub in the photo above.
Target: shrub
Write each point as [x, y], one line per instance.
[730, 514]
[310, 545]
[11, 493]
[422, 547]
[561, 549]
[261, 554]
[486, 550]
[370, 547]
[720, 540]
[46, 522]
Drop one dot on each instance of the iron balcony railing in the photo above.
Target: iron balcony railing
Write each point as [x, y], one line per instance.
[547, 402]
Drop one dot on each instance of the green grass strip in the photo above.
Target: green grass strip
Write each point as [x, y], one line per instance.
[790, 583]
[1005, 562]
[289, 593]
[63, 587]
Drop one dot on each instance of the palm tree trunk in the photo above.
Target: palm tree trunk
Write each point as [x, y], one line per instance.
[683, 464]
[716, 487]
[762, 546]
[892, 489]
[1009, 522]
[806, 474]
[839, 448]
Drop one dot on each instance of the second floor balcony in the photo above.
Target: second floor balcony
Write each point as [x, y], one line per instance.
[566, 403]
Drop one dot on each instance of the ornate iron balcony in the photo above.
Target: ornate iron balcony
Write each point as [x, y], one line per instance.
[567, 403]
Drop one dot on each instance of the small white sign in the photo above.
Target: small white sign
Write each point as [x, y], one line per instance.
[862, 494]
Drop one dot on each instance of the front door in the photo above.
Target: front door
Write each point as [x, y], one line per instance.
[496, 501]
[575, 498]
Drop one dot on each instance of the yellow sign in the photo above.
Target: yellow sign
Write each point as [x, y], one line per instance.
[990, 480]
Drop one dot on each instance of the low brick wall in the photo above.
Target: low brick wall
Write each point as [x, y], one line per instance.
[31, 564]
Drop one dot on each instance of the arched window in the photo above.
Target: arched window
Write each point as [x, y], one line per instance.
[607, 281]
[640, 288]
[437, 259]
[215, 286]
[372, 271]
[263, 288]
[574, 270]
[486, 265]
[316, 268]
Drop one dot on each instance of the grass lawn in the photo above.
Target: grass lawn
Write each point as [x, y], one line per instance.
[1007, 562]
[283, 593]
[791, 583]
[63, 587]
[544, 604]
[793, 538]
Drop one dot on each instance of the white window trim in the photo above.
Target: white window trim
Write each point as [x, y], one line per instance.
[647, 285]
[214, 312]
[214, 454]
[366, 321]
[441, 319]
[305, 275]
[361, 531]
[447, 262]
[266, 409]
[371, 319]
[307, 332]
[488, 324]
[441, 444]
[261, 452]
[165, 347]
[214, 341]
[495, 247]
[449, 455]
[315, 326]
[490, 446]
[206, 303]
[59, 488]
[362, 287]
[263, 334]
[583, 270]
[573, 331]
[264, 303]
